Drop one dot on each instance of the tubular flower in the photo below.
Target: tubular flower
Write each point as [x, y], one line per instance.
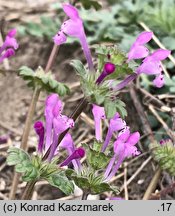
[68, 144]
[53, 108]
[109, 68]
[39, 129]
[60, 124]
[116, 124]
[152, 66]
[124, 147]
[56, 123]
[98, 113]
[77, 154]
[9, 46]
[73, 27]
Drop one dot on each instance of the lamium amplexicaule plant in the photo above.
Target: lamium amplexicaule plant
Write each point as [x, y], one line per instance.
[92, 165]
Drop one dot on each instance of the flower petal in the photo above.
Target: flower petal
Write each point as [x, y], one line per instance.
[160, 54]
[71, 11]
[138, 52]
[116, 123]
[124, 134]
[118, 147]
[144, 37]
[159, 81]
[59, 38]
[149, 68]
[133, 138]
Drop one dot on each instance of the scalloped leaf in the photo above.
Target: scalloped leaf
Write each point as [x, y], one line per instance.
[96, 159]
[23, 163]
[113, 106]
[59, 180]
[45, 81]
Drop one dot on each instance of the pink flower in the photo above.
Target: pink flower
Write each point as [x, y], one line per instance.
[73, 27]
[68, 144]
[39, 129]
[77, 154]
[108, 69]
[9, 46]
[98, 113]
[60, 124]
[138, 50]
[125, 143]
[116, 124]
[53, 108]
[124, 147]
[152, 66]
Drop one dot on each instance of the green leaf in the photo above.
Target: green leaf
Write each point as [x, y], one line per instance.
[97, 145]
[45, 81]
[59, 180]
[96, 159]
[114, 105]
[23, 163]
[87, 4]
[110, 109]
[79, 67]
[88, 181]
[103, 187]
[16, 155]
[34, 29]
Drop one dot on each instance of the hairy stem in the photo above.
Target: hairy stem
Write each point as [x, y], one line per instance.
[27, 195]
[85, 195]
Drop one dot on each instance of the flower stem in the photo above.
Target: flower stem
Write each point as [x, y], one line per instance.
[125, 82]
[85, 195]
[107, 140]
[109, 167]
[28, 191]
[87, 52]
[25, 138]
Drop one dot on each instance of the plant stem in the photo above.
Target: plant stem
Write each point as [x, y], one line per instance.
[152, 184]
[27, 194]
[85, 195]
[25, 138]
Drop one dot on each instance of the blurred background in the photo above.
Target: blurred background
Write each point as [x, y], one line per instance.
[106, 22]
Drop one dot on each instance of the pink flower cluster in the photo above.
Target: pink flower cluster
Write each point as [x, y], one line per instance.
[56, 123]
[9, 46]
[124, 146]
[151, 65]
